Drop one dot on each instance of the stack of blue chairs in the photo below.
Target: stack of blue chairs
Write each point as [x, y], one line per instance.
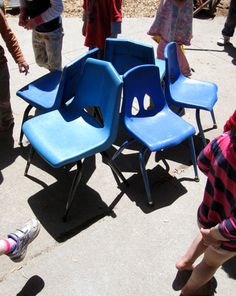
[66, 132]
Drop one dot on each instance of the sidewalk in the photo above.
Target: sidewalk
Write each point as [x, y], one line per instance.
[132, 251]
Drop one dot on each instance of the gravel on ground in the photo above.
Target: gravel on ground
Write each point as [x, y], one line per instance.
[133, 8]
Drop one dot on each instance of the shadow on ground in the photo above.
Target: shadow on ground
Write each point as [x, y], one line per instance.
[87, 208]
[33, 286]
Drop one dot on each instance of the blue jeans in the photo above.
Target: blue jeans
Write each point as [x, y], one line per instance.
[230, 23]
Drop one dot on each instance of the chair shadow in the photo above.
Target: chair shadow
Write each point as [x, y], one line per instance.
[204, 14]
[32, 287]
[165, 189]
[87, 208]
[230, 267]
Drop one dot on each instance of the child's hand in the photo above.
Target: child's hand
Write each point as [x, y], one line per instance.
[212, 237]
[22, 20]
[23, 68]
[33, 23]
[22, 17]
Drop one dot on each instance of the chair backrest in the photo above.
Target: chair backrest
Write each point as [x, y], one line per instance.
[172, 64]
[71, 75]
[125, 54]
[172, 68]
[141, 83]
[100, 86]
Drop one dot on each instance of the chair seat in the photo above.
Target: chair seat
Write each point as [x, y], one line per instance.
[170, 129]
[192, 93]
[162, 67]
[42, 91]
[60, 139]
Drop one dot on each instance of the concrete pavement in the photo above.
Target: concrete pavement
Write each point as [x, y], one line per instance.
[133, 250]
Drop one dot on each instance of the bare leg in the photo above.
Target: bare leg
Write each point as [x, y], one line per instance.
[196, 249]
[205, 270]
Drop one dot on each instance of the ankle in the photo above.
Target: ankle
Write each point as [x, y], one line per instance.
[9, 245]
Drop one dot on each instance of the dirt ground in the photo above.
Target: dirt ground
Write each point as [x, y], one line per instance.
[134, 8]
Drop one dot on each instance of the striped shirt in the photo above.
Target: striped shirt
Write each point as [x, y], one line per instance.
[218, 162]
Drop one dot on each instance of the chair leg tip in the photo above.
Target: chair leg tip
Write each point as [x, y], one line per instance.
[196, 179]
[151, 203]
[215, 125]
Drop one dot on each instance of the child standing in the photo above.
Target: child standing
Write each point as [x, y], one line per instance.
[216, 214]
[173, 22]
[102, 19]
[229, 26]
[6, 117]
[43, 17]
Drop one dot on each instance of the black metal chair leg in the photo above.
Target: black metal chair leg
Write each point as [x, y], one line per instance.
[30, 157]
[25, 116]
[213, 119]
[145, 176]
[200, 127]
[73, 188]
[122, 147]
[193, 156]
[114, 168]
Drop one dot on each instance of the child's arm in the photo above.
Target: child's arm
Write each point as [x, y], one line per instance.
[12, 44]
[55, 10]
[23, 15]
[212, 236]
[84, 18]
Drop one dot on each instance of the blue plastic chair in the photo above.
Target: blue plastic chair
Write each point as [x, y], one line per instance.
[157, 128]
[70, 133]
[188, 93]
[124, 54]
[53, 89]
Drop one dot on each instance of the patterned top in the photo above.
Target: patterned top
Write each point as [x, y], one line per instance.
[11, 42]
[218, 162]
[173, 21]
[230, 122]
